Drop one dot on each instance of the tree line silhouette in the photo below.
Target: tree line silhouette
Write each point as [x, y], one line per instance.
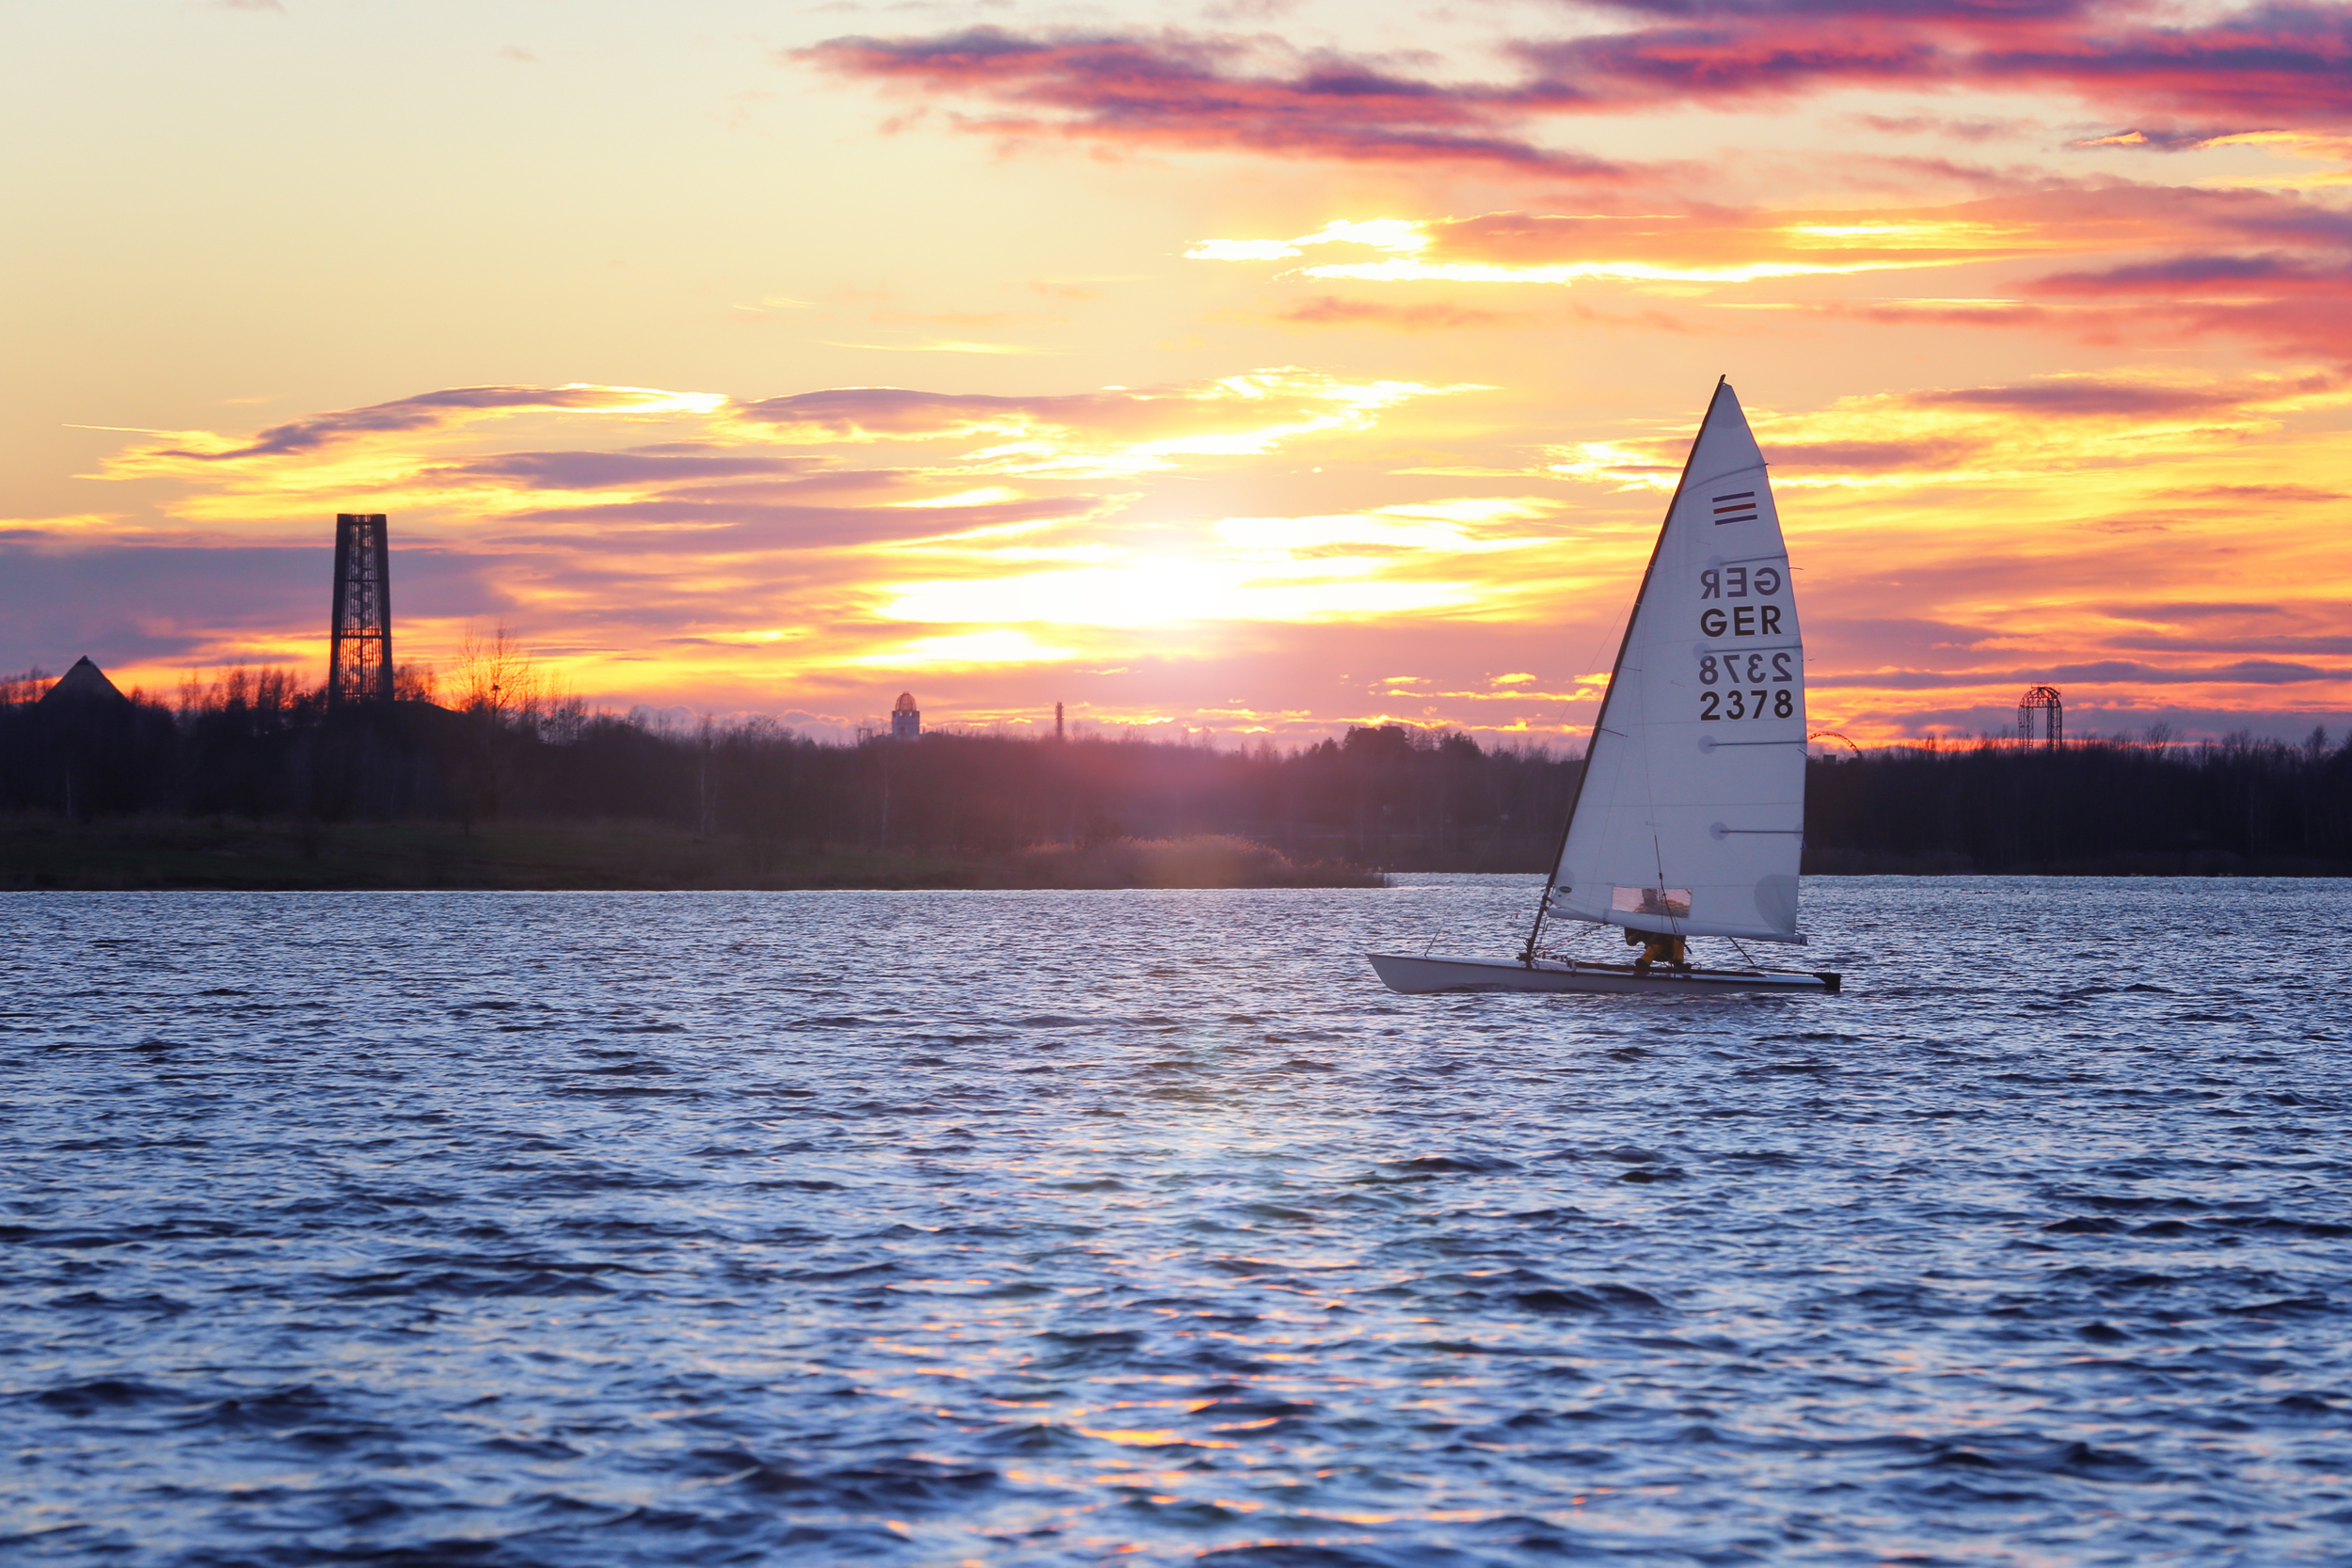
[2095, 805]
[258, 744]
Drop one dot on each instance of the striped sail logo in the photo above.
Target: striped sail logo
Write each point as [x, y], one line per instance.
[1737, 507]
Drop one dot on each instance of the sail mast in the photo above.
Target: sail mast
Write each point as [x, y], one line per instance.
[1551, 877]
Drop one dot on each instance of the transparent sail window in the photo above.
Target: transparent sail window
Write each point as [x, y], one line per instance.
[1671, 902]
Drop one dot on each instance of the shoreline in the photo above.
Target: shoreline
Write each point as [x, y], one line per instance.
[127, 854]
[146, 854]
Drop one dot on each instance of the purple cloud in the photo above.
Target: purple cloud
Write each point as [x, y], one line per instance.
[425, 411]
[2274, 63]
[1202, 90]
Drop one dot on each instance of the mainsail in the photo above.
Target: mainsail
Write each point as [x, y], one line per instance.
[1689, 820]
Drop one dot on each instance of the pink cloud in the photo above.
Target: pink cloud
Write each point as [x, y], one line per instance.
[1331, 310]
[2192, 276]
[682, 462]
[855, 413]
[2257, 66]
[1205, 90]
[2261, 66]
[2101, 672]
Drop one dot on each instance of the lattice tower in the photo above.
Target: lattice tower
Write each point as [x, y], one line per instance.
[359, 652]
[2043, 700]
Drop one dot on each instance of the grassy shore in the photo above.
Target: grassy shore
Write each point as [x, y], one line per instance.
[49, 852]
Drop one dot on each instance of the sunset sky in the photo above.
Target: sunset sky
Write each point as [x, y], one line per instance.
[1251, 369]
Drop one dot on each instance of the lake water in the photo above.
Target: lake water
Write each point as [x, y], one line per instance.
[1072, 1229]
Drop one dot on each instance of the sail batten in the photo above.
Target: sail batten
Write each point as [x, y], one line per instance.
[1696, 765]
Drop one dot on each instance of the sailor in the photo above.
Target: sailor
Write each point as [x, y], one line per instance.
[1656, 947]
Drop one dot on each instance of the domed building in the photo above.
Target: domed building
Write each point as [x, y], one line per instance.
[906, 720]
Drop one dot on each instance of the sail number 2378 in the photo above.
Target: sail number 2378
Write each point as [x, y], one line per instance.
[1778, 701]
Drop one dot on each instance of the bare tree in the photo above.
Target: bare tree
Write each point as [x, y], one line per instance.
[25, 690]
[496, 675]
[271, 691]
[499, 676]
[415, 683]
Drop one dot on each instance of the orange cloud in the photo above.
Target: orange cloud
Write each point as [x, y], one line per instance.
[1954, 543]
[2102, 264]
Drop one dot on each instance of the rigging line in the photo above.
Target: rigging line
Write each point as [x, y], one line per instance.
[1551, 879]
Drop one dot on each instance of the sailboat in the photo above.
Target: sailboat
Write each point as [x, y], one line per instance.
[1689, 820]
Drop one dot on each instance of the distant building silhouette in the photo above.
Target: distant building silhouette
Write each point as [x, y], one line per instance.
[85, 684]
[1056, 720]
[906, 720]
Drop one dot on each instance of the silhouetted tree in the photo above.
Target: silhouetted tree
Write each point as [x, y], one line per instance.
[257, 743]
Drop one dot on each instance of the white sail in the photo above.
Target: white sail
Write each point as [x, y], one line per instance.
[1690, 816]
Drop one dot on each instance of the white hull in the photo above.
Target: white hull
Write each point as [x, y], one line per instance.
[1421, 976]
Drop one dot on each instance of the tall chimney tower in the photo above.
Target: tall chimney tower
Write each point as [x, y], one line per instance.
[360, 650]
[1056, 720]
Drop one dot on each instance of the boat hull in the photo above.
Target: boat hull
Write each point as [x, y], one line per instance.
[1430, 973]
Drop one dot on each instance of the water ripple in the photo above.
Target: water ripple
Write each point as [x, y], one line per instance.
[552, 1230]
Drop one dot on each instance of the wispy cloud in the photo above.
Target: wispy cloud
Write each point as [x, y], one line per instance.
[1713, 249]
[2103, 264]
[1331, 310]
[2257, 64]
[1116, 430]
[427, 411]
[1179, 89]
[2055, 425]
[2273, 63]
[2104, 672]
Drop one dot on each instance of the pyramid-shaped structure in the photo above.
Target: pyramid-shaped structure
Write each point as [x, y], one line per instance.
[85, 683]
